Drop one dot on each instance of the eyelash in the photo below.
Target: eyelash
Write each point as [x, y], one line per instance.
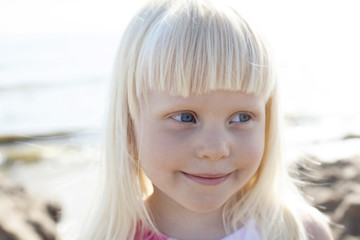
[192, 119]
[248, 116]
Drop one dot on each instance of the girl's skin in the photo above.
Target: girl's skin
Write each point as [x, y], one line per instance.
[198, 151]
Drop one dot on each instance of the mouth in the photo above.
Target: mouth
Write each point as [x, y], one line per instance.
[207, 179]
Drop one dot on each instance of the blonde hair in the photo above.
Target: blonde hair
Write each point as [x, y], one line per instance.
[184, 47]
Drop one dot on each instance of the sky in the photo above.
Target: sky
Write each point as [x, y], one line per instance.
[316, 42]
[107, 16]
[65, 16]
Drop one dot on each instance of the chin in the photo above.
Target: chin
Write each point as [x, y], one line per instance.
[204, 206]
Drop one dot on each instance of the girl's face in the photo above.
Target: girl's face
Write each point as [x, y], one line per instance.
[200, 150]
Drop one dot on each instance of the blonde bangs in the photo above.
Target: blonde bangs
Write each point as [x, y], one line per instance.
[200, 47]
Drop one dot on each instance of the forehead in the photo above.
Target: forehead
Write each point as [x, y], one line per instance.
[220, 99]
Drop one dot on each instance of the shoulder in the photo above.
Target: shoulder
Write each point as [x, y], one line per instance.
[316, 226]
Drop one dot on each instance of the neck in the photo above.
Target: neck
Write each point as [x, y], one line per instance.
[176, 221]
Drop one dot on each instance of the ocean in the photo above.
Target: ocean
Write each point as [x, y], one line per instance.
[60, 83]
[54, 83]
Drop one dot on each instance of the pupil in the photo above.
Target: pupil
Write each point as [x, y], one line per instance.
[187, 117]
[244, 118]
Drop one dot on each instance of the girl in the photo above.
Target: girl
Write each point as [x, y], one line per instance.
[193, 144]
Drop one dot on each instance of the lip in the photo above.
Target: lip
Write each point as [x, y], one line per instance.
[207, 179]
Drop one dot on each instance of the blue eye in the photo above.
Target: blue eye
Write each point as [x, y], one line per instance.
[241, 117]
[185, 117]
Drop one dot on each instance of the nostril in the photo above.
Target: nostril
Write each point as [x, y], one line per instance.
[213, 153]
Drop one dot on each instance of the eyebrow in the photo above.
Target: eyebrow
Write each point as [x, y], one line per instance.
[173, 106]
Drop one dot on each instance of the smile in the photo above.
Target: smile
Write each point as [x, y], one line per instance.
[208, 179]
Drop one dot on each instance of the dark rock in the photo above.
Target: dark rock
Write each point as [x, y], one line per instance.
[54, 211]
[348, 214]
[4, 235]
[334, 188]
[24, 216]
[42, 231]
[350, 136]
[330, 205]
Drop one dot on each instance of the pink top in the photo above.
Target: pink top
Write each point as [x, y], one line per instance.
[247, 232]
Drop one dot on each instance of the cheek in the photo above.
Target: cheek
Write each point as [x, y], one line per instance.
[161, 150]
[250, 148]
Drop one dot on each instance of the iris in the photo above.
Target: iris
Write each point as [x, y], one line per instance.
[244, 117]
[241, 117]
[187, 117]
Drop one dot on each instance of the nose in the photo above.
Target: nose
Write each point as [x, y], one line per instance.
[213, 144]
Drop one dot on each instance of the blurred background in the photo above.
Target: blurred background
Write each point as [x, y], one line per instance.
[56, 61]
